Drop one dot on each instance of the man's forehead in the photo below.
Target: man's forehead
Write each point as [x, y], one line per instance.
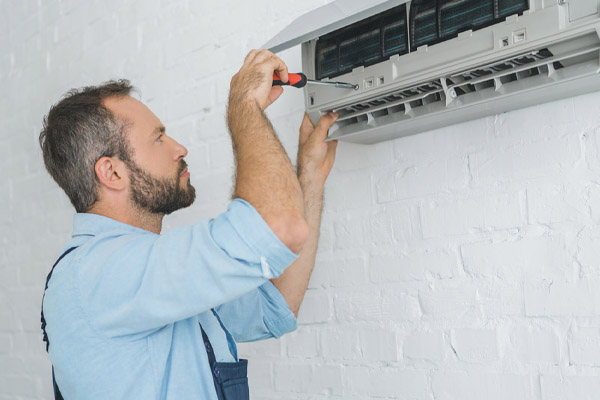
[133, 111]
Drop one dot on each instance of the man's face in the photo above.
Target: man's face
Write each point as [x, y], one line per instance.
[160, 195]
[158, 176]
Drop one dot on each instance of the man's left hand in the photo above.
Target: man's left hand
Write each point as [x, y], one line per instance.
[315, 156]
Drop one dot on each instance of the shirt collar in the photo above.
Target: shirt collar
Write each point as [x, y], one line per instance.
[94, 224]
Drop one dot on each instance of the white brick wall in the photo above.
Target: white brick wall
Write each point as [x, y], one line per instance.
[461, 263]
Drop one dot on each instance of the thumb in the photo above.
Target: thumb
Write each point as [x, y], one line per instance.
[274, 94]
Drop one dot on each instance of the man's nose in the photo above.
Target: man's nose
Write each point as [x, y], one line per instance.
[180, 150]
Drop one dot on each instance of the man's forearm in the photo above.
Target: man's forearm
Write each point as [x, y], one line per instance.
[294, 281]
[265, 176]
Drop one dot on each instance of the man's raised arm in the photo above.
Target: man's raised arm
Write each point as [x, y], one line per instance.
[265, 177]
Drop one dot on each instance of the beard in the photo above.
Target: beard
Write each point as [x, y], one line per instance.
[159, 195]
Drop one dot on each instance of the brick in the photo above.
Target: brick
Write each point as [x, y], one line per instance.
[526, 161]
[315, 308]
[302, 343]
[414, 266]
[475, 345]
[350, 191]
[584, 347]
[588, 253]
[6, 343]
[220, 154]
[452, 385]
[196, 100]
[371, 227]
[338, 269]
[521, 258]
[262, 348]
[400, 305]
[456, 216]
[560, 387]
[358, 305]
[292, 377]
[388, 382]
[353, 157]
[260, 377]
[379, 345]
[450, 301]
[455, 140]
[424, 345]
[313, 379]
[340, 343]
[209, 126]
[408, 181]
[406, 225]
[498, 299]
[547, 298]
[533, 345]
[557, 203]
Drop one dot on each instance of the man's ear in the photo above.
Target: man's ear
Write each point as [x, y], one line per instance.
[111, 172]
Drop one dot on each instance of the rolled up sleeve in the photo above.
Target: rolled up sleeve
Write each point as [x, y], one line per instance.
[243, 221]
[260, 314]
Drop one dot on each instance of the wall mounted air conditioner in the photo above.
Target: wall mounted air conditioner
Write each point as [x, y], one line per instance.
[424, 64]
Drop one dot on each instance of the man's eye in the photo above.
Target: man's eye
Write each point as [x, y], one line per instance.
[159, 138]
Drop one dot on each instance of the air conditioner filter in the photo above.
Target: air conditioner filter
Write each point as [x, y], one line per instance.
[362, 44]
[436, 21]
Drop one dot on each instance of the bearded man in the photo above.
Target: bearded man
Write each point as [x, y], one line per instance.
[130, 313]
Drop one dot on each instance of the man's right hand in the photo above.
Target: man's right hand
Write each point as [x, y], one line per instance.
[253, 84]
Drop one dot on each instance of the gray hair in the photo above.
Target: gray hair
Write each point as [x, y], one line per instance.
[77, 132]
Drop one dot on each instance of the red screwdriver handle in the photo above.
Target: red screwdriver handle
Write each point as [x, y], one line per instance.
[296, 80]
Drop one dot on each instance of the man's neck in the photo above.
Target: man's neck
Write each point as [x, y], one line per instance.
[131, 216]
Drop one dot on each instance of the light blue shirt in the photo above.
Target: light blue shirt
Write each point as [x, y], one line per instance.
[123, 309]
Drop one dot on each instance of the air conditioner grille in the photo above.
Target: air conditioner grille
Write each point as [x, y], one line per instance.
[444, 89]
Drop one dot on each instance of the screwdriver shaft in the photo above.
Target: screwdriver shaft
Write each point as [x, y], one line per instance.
[299, 80]
[342, 85]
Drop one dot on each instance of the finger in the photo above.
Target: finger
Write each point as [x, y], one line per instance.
[331, 150]
[250, 57]
[280, 68]
[324, 124]
[276, 91]
[306, 128]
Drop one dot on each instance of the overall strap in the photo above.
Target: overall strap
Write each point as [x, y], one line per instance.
[209, 349]
[43, 320]
[211, 362]
[57, 394]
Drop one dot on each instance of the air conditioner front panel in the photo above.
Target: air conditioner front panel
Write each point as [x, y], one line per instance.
[566, 82]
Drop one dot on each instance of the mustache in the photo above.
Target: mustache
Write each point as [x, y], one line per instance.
[182, 166]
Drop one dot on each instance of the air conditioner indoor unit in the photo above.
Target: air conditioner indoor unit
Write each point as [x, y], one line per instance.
[425, 64]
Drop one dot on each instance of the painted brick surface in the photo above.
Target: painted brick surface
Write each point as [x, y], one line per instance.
[461, 263]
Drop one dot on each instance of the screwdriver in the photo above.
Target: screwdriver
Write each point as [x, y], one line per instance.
[299, 80]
